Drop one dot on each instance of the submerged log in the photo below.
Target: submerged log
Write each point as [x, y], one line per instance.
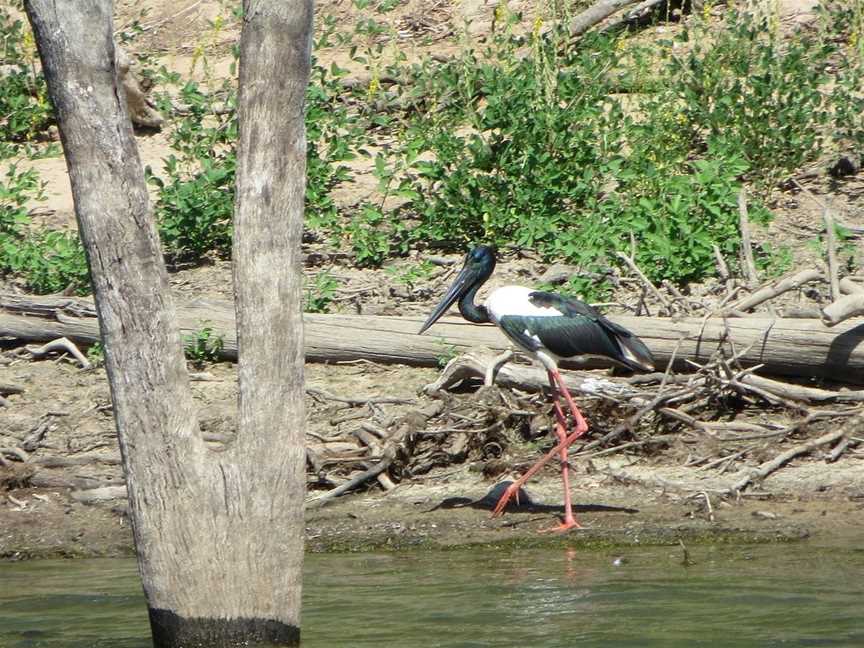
[790, 347]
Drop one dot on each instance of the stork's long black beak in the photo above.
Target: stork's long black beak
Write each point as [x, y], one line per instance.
[461, 284]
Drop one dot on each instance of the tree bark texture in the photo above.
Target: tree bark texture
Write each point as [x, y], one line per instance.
[275, 58]
[785, 346]
[216, 532]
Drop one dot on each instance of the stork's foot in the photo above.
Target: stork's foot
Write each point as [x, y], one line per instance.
[511, 491]
[565, 526]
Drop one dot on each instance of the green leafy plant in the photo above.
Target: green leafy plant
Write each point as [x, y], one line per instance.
[195, 198]
[369, 236]
[411, 274]
[543, 152]
[447, 353]
[758, 97]
[203, 346]
[47, 261]
[25, 112]
[320, 292]
[96, 354]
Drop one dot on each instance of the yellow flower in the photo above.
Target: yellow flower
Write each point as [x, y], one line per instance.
[374, 86]
[501, 11]
[538, 23]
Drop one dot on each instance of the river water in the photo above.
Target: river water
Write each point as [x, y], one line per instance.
[768, 595]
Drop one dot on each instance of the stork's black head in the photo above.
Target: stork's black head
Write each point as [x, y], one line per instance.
[478, 266]
[482, 258]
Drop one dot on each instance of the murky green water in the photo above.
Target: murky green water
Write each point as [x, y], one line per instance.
[777, 595]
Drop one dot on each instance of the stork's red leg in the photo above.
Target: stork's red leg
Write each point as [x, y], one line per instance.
[561, 450]
[569, 521]
[577, 415]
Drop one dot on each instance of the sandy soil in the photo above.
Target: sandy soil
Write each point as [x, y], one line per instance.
[67, 500]
[53, 525]
[42, 507]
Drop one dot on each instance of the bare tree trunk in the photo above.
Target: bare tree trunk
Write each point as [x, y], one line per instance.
[217, 533]
[275, 57]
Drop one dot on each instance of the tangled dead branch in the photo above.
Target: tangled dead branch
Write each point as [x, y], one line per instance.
[727, 416]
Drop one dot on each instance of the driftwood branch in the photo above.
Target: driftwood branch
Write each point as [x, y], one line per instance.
[645, 280]
[850, 287]
[638, 15]
[853, 426]
[831, 244]
[843, 309]
[775, 288]
[392, 446]
[746, 243]
[802, 393]
[61, 344]
[528, 378]
[595, 14]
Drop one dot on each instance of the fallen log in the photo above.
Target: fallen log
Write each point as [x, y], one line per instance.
[594, 14]
[791, 347]
[851, 305]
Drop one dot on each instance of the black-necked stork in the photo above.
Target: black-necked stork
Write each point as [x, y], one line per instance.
[550, 327]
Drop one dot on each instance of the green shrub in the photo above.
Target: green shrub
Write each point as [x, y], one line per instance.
[47, 261]
[195, 199]
[203, 346]
[544, 151]
[753, 96]
[320, 293]
[25, 111]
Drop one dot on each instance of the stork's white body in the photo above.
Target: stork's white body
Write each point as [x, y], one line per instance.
[515, 300]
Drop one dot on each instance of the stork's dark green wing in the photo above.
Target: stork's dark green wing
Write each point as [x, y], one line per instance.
[579, 330]
[564, 336]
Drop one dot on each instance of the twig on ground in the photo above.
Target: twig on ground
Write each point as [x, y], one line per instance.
[711, 427]
[408, 424]
[320, 393]
[495, 366]
[853, 426]
[637, 15]
[645, 281]
[831, 244]
[746, 243]
[591, 16]
[60, 344]
[724, 459]
[655, 440]
[162, 21]
[15, 452]
[775, 288]
[849, 287]
[723, 271]
[352, 483]
[803, 393]
[838, 449]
